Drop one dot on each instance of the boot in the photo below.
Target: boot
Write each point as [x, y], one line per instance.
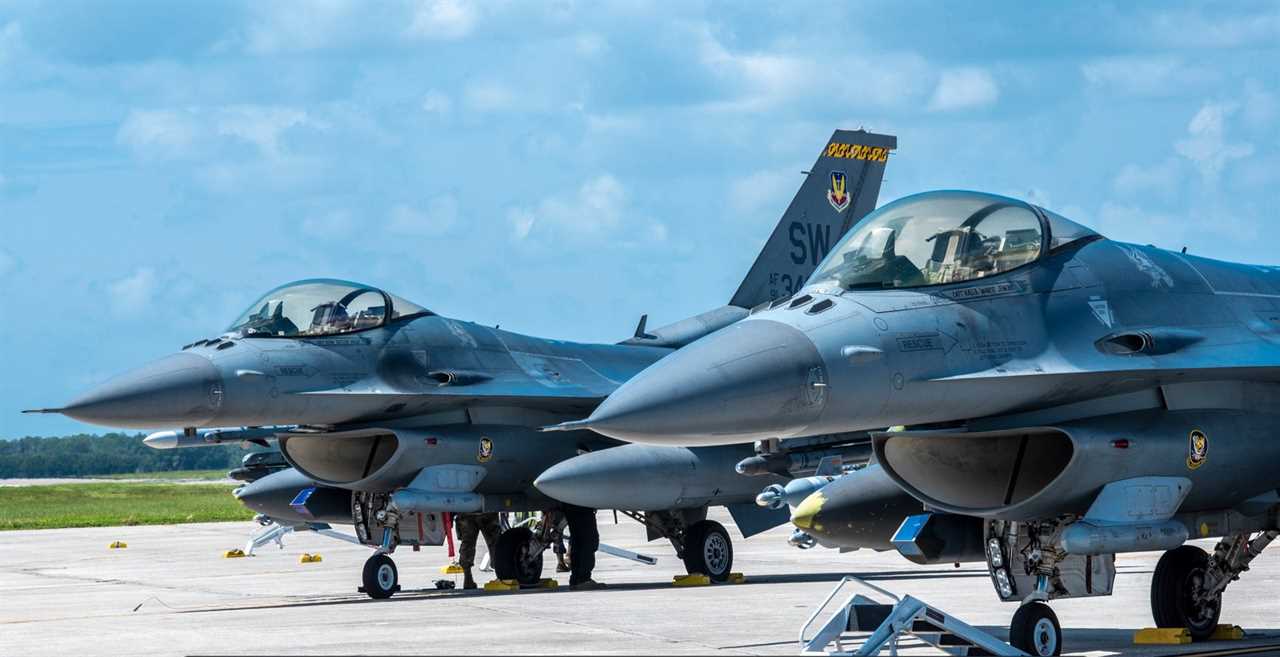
[562, 564]
[467, 581]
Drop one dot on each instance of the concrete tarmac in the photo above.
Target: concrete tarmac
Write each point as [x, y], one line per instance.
[170, 592]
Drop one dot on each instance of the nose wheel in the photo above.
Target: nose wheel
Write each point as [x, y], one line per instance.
[381, 579]
[1035, 630]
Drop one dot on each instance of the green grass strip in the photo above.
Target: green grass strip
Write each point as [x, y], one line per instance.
[204, 475]
[116, 504]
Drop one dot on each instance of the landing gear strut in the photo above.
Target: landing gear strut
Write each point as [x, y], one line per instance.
[1186, 589]
[704, 545]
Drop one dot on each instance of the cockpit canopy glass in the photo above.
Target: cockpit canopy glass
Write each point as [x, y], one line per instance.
[321, 307]
[935, 238]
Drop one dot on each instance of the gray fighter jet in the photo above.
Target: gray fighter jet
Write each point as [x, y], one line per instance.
[391, 415]
[1083, 397]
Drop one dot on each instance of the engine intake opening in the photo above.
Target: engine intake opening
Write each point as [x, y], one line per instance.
[977, 471]
[341, 458]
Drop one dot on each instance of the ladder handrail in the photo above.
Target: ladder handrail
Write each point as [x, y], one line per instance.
[840, 585]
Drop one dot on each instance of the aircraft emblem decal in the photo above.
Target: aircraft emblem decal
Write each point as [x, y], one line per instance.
[1144, 263]
[1197, 449]
[1102, 311]
[486, 450]
[838, 196]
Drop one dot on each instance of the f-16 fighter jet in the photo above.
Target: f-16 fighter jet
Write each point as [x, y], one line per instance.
[398, 415]
[1083, 397]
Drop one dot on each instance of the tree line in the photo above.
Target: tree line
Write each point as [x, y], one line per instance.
[85, 454]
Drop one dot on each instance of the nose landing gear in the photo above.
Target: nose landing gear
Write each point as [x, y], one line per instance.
[1035, 630]
[380, 577]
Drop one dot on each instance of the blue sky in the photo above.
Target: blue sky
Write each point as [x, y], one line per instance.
[561, 167]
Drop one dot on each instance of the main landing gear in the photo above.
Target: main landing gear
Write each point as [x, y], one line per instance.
[1187, 586]
[704, 545]
[518, 554]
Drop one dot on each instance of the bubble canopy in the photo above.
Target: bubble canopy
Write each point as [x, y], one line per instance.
[944, 237]
[321, 306]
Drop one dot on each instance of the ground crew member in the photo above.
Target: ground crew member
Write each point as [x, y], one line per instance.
[584, 540]
[469, 527]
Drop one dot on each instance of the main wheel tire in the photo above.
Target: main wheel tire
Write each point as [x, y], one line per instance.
[1178, 574]
[708, 550]
[381, 579]
[517, 556]
[1035, 630]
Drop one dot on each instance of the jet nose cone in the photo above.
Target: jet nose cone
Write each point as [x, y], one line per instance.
[753, 380]
[178, 390]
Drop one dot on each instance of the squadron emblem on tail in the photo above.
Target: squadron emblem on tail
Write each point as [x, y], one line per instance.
[837, 195]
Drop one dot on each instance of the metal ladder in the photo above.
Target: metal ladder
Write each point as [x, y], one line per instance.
[887, 623]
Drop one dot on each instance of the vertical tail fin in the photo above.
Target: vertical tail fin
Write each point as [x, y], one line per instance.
[839, 190]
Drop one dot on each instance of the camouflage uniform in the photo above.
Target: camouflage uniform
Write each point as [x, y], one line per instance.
[469, 526]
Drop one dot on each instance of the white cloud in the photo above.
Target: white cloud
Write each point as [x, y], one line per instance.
[522, 222]
[964, 88]
[1133, 223]
[159, 133]
[761, 79]
[442, 19]
[134, 292]
[1139, 75]
[762, 190]
[595, 213]
[260, 126]
[763, 73]
[1218, 27]
[289, 27]
[1258, 106]
[8, 263]
[1161, 179]
[489, 96]
[440, 215]
[590, 44]
[437, 102]
[174, 133]
[1206, 145]
[10, 43]
[329, 225]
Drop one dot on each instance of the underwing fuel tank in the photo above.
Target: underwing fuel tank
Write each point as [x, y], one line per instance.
[653, 478]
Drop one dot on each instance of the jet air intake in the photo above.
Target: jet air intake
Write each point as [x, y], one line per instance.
[1032, 473]
[975, 473]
